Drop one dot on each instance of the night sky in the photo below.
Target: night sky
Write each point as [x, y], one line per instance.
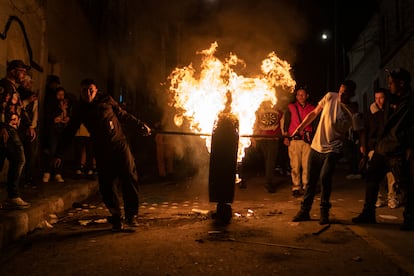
[311, 65]
[254, 28]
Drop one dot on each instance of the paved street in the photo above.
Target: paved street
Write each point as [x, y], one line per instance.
[177, 236]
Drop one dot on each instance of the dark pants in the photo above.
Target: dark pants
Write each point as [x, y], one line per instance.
[14, 152]
[49, 152]
[378, 167]
[114, 164]
[353, 156]
[29, 153]
[84, 143]
[321, 166]
[269, 149]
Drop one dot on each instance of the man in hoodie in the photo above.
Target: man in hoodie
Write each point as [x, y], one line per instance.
[379, 111]
[104, 118]
[393, 150]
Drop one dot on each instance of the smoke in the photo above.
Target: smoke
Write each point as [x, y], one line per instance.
[147, 39]
[249, 29]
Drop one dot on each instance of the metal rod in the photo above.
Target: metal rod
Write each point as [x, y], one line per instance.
[167, 132]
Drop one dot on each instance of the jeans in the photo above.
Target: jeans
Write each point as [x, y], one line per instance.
[321, 166]
[378, 167]
[14, 152]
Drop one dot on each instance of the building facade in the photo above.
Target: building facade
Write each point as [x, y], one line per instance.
[387, 42]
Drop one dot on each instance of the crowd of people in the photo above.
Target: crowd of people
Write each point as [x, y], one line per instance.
[96, 117]
[312, 139]
[376, 146]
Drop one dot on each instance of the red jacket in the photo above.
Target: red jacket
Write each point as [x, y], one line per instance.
[296, 110]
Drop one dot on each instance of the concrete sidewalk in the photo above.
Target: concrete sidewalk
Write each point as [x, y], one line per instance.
[47, 199]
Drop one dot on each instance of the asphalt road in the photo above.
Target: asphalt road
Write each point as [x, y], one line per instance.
[177, 236]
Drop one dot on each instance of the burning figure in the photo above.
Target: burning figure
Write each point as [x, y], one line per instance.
[200, 97]
[223, 161]
[219, 96]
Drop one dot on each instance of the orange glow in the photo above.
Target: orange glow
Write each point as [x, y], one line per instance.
[199, 96]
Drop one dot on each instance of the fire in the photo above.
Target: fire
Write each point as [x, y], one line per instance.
[199, 98]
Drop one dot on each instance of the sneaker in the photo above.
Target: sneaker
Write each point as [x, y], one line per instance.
[301, 216]
[17, 203]
[59, 178]
[393, 203]
[364, 218]
[296, 193]
[131, 221]
[116, 223]
[237, 179]
[46, 177]
[380, 202]
[357, 176]
[78, 172]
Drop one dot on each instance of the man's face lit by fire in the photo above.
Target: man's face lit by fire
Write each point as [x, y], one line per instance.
[19, 74]
[395, 86]
[60, 95]
[379, 99]
[345, 94]
[301, 96]
[88, 92]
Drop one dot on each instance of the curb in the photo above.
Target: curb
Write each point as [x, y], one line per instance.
[15, 224]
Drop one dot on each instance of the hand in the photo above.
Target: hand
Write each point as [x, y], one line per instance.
[370, 154]
[253, 143]
[362, 165]
[32, 133]
[146, 130]
[57, 162]
[298, 131]
[286, 141]
[409, 154]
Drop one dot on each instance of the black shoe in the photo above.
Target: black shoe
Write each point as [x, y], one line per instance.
[296, 193]
[324, 219]
[270, 188]
[243, 184]
[131, 221]
[116, 223]
[301, 216]
[365, 218]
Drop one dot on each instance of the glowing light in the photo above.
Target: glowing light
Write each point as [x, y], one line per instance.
[199, 96]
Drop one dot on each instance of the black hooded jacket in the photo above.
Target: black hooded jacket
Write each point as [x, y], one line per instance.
[397, 133]
[104, 119]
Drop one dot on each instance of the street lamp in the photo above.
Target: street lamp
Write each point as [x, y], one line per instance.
[325, 39]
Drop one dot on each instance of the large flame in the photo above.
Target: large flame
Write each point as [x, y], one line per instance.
[199, 99]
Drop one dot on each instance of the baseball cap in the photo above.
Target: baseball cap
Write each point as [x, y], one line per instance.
[17, 63]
